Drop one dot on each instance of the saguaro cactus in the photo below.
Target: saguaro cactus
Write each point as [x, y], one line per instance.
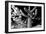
[30, 14]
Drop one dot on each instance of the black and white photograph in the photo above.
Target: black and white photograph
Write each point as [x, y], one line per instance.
[24, 16]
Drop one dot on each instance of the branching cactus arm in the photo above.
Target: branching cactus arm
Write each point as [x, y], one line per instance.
[22, 12]
[13, 7]
[35, 14]
[33, 9]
